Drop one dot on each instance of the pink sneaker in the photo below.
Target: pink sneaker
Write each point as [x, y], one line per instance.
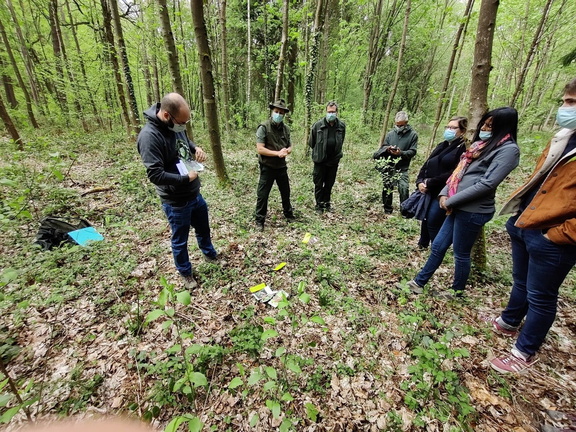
[497, 328]
[512, 363]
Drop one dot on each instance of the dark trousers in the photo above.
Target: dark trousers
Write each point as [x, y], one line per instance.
[538, 267]
[402, 184]
[267, 178]
[430, 227]
[192, 214]
[324, 177]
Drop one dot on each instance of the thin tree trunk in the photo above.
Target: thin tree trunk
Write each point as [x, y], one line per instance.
[133, 111]
[249, 54]
[173, 62]
[28, 64]
[209, 92]
[316, 33]
[10, 127]
[292, 69]
[55, 36]
[225, 77]
[482, 62]
[283, 47]
[113, 58]
[8, 85]
[85, 85]
[23, 87]
[530, 57]
[448, 77]
[398, 70]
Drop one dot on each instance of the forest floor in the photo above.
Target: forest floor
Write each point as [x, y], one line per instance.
[107, 329]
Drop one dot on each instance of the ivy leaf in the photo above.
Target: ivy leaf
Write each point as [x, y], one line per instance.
[154, 315]
[184, 298]
[311, 412]
[236, 382]
[274, 407]
[271, 372]
[267, 334]
[195, 425]
[198, 379]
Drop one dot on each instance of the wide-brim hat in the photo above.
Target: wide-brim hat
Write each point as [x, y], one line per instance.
[280, 103]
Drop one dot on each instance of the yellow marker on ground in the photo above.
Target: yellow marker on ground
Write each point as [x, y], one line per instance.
[257, 288]
[280, 266]
[306, 238]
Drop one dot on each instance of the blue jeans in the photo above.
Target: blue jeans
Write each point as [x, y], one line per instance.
[538, 267]
[192, 214]
[430, 227]
[460, 229]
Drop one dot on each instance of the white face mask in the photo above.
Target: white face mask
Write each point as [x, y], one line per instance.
[177, 128]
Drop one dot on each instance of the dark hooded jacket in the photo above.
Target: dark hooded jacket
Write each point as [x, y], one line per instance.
[158, 148]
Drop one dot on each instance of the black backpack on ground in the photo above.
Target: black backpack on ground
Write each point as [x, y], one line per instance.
[54, 231]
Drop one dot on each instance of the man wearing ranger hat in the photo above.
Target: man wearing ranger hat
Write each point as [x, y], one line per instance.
[273, 145]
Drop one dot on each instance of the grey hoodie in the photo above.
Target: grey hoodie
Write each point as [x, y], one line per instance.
[158, 148]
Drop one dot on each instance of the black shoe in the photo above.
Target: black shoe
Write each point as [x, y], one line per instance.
[386, 211]
[318, 209]
[260, 226]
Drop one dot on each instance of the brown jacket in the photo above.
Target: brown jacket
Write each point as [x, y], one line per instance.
[553, 208]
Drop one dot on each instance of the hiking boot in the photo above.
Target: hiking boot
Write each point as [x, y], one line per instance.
[218, 259]
[513, 363]
[259, 226]
[189, 282]
[412, 285]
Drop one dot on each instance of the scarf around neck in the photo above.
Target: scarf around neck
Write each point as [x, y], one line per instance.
[473, 152]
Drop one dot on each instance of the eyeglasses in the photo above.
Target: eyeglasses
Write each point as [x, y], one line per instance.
[451, 127]
[175, 122]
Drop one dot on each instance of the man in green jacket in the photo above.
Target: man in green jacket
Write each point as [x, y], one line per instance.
[402, 142]
[326, 140]
[273, 145]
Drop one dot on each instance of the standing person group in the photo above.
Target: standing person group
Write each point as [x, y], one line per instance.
[543, 235]
[468, 198]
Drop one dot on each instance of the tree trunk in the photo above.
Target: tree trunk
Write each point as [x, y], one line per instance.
[283, 47]
[292, 69]
[398, 70]
[23, 87]
[10, 124]
[211, 108]
[55, 36]
[173, 62]
[482, 62]
[479, 92]
[85, 84]
[316, 33]
[531, 52]
[8, 86]
[28, 64]
[113, 58]
[448, 77]
[249, 54]
[133, 111]
[225, 76]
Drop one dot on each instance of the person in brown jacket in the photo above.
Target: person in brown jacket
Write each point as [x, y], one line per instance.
[543, 236]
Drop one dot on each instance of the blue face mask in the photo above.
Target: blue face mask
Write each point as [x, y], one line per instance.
[449, 134]
[566, 117]
[277, 117]
[330, 117]
[485, 135]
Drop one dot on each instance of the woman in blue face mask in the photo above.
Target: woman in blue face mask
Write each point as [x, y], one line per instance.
[468, 198]
[434, 173]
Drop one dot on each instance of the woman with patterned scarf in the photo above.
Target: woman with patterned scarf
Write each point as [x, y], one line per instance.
[469, 195]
